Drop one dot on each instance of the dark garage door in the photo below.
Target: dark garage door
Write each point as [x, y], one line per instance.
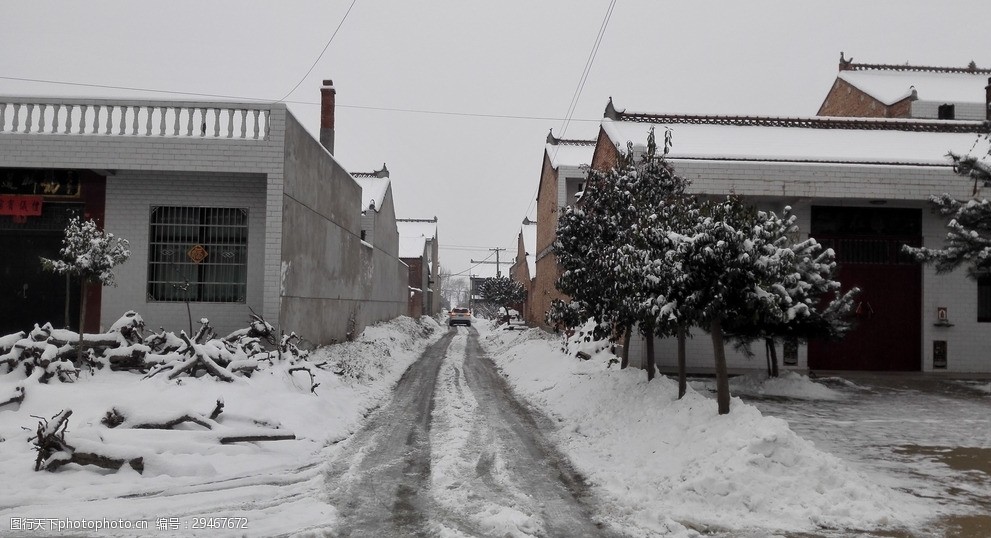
[867, 242]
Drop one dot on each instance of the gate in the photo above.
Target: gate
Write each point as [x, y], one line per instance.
[888, 315]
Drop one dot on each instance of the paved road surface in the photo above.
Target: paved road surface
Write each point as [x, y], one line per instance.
[456, 454]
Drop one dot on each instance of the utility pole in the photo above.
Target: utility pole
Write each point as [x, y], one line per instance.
[497, 250]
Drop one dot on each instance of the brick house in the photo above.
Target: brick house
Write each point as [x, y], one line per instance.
[524, 268]
[907, 91]
[860, 186]
[418, 248]
[276, 214]
[562, 175]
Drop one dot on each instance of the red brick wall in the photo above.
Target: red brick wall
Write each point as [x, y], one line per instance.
[542, 289]
[415, 281]
[845, 100]
[606, 153]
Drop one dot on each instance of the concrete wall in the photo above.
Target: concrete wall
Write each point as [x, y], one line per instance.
[387, 290]
[130, 196]
[324, 272]
[962, 111]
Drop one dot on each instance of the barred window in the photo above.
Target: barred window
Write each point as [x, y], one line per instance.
[198, 254]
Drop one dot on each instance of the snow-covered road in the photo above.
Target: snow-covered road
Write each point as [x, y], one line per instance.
[455, 454]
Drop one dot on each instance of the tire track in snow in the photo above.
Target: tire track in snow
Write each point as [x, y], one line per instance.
[493, 472]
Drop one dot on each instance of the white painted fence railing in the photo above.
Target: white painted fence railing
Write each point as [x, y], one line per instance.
[30, 115]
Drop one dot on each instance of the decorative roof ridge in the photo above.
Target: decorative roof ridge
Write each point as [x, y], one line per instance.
[383, 173]
[812, 122]
[971, 69]
[417, 220]
[554, 141]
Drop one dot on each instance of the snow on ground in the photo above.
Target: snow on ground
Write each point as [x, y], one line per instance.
[277, 486]
[659, 457]
[787, 385]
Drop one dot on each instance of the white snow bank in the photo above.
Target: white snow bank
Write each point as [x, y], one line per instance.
[659, 457]
[788, 385]
[277, 485]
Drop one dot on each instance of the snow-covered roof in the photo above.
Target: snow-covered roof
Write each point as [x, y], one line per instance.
[412, 247]
[565, 154]
[889, 87]
[413, 235]
[529, 233]
[373, 190]
[821, 140]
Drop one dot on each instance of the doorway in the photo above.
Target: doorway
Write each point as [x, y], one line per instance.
[888, 312]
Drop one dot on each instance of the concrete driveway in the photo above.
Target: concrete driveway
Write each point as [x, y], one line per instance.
[926, 434]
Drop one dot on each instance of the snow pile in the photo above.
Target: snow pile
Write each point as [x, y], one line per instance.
[277, 485]
[788, 385]
[661, 457]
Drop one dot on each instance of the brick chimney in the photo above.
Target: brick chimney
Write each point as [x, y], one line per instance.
[328, 98]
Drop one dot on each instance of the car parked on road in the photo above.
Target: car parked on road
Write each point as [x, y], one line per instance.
[459, 316]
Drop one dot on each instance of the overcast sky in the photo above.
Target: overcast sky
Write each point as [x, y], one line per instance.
[521, 59]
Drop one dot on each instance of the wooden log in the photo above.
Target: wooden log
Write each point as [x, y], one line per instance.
[99, 460]
[173, 422]
[253, 438]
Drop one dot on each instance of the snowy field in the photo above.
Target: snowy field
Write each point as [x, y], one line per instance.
[261, 489]
[668, 467]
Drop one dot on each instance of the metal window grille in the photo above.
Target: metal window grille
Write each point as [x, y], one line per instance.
[198, 254]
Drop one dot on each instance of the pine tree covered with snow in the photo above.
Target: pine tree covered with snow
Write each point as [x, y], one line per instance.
[968, 239]
[602, 246]
[798, 282]
[736, 273]
[502, 291]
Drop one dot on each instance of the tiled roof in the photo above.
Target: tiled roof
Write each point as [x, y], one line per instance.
[849, 65]
[810, 122]
[889, 83]
[803, 140]
[569, 152]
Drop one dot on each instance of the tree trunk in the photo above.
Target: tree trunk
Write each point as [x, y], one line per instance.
[82, 320]
[68, 293]
[772, 357]
[722, 377]
[650, 353]
[767, 357]
[625, 359]
[682, 378]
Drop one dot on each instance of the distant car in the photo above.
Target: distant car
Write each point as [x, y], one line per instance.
[459, 316]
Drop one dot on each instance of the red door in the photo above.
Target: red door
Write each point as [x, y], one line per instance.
[887, 335]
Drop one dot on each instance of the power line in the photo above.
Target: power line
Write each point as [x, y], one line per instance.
[468, 270]
[578, 90]
[329, 41]
[310, 103]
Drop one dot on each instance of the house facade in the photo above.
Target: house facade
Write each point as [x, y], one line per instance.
[859, 186]
[418, 248]
[228, 206]
[562, 175]
[907, 91]
[524, 268]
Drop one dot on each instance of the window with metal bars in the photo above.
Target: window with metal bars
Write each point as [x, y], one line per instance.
[198, 254]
